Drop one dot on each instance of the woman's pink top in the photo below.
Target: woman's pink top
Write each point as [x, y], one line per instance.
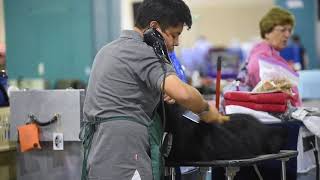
[265, 51]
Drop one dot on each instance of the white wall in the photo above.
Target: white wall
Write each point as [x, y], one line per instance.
[318, 36]
[318, 39]
[220, 21]
[127, 20]
[2, 29]
[224, 21]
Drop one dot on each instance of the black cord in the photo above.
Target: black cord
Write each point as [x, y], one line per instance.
[35, 120]
[163, 63]
[154, 39]
[162, 56]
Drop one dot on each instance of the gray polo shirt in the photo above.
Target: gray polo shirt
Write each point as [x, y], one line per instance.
[125, 80]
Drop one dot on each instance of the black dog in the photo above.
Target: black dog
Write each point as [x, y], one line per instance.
[242, 137]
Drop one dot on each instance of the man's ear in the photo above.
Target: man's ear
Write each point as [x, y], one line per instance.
[154, 24]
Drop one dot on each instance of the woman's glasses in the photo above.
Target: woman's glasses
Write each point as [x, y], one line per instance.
[283, 29]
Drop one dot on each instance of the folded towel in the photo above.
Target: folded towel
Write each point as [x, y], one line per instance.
[261, 98]
[281, 108]
[260, 115]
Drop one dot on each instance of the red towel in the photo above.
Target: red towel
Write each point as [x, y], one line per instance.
[281, 108]
[263, 98]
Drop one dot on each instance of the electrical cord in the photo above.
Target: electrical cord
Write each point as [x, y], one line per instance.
[167, 138]
[162, 56]
[154, 39]
[52, 120]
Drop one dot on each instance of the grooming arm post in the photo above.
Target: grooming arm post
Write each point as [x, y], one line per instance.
[218, 78]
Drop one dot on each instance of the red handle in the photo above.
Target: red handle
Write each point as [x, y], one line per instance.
[218, 78]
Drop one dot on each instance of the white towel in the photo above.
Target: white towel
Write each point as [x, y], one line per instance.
[260, 115]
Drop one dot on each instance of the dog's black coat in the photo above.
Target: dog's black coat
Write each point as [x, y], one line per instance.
[241, 137]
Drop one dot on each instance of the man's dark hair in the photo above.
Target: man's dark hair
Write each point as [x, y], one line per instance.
[165, 12]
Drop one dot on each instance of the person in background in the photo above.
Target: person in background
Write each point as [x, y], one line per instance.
[201, 50]
[198, 64]
[4, 99]
[300, 51]
[275, 29]
[121, 133]
[295, 54]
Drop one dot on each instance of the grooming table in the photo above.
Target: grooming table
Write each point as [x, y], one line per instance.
[233, 166]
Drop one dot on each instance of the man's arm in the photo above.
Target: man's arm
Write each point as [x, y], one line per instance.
[191, 99]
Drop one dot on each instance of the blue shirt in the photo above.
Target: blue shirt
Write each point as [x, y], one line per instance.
[177, 66]
[292, 52]
[4, 84]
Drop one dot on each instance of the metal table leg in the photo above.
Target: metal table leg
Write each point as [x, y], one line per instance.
[172, 173]
[231, 172]
[283, 168]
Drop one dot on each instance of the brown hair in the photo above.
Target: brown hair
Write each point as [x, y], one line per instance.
[275, 16]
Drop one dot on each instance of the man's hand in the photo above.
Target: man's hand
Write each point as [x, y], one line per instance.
[168, 99]
[213, 116]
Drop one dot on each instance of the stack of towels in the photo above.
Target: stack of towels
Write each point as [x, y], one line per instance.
[268, 102]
